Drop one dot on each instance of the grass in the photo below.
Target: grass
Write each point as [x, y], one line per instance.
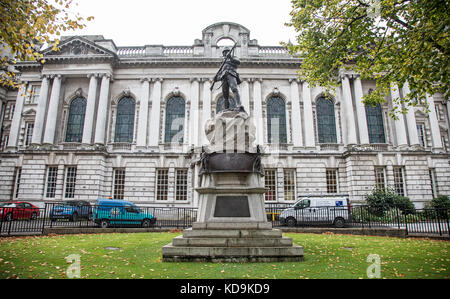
[139, 256]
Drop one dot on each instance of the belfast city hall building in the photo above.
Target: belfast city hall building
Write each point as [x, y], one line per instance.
[97, 121]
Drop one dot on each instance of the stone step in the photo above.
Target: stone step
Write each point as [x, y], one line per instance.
[243, 233]
[232, 242]
[232, 225]
[180, 253]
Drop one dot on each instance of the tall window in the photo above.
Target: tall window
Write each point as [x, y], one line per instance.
[220, 107]
[379, 178]
[162, 184]
[421, 134]
[75, 122]
[332, 182]
[17, 181]
[125, 120]
[181, 184]
[119, 183]
[276, 120]
[270, 180]
[28, 132]
[71, 177]
[174, 120]
[52, 175]
[289, 184]
[375, 125]
[326, 122]
[399, 181]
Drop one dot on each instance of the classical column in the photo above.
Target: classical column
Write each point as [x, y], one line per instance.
[361, 112]
[349, 117]
[206, 110]
[245, 95]
[155, 113]
[194, 112]
[434, 124]
[297, 137]
[52, 113]
[15, 124]
[257, 111]
[399, 123]
[40, 112]
[411, 120]
[308, 116]
[90, 109]
[102, 111]
[143, 113]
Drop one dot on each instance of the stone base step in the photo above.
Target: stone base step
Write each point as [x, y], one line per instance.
[173, 253]
[221, 233]
[232, 242]
[232, 225]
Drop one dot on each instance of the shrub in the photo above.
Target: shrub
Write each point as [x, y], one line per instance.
[381, 200]
[440, 204]
[404, 204]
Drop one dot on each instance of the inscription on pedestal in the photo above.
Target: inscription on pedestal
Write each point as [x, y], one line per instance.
[232, 206]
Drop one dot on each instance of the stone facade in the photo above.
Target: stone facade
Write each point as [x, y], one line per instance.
[37, 161]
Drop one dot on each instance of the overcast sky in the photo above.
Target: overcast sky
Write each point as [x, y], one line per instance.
[180, 22]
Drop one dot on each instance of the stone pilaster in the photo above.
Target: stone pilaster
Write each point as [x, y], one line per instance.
[399, 123]
[308, 116]
[155, 112]
[15, 124]
[53, 108]
[297, 135]
[361, 113]
[90, 109]
[41, 110]
[102, 111]
[143, 113]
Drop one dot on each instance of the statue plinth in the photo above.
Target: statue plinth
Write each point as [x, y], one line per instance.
[231, 222]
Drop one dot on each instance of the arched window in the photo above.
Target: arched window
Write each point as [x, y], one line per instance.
[276, 120]
[220, 107]
[174, 125]
[125, 120]
[375, 124]
[75, 121]
[326, 122]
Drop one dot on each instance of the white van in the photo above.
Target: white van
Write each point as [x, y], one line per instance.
[318, 209]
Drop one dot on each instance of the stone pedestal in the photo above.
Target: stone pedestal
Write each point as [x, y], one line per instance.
[231, 223]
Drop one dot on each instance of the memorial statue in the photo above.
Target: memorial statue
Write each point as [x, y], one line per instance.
[230, 79]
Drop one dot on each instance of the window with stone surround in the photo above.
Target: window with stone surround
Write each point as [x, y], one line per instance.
[162, 184]
[75, 121]
[380, 181]
[124, 131]
[375, 126]
[52, 176]
[17, 177]
[332, 181]
[270, 179]
[433, 182]
[70, 182]
[399, 181]
[326, 121]
[174, 123]
[32, 95]
[181, 184]
[119, 183]
[276, 121]
[5, 139]
[289, 184]
[421, 134]
[29, 126]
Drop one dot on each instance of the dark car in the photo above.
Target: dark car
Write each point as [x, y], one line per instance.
[13, 210]
[72, 210]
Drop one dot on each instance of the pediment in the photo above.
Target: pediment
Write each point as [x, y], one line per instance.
[78, 47]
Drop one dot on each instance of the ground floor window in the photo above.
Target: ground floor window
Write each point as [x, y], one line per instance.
[332, 182]
[379, 178]
[162, 184]
[399, 181]
[119, 183]
[181, 184]
[270, 178]
[18, 175]
[71, 177]
[432, 174]
[289, 184]
[52, 173]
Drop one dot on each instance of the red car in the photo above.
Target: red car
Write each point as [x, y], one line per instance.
[13, 210]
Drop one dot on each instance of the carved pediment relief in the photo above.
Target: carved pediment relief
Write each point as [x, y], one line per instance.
[78, 47]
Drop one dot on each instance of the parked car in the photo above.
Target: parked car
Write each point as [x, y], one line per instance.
[13, 210]
[318, 209]
[72, 210]
[110, 212]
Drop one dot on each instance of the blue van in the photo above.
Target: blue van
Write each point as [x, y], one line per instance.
[110, 212]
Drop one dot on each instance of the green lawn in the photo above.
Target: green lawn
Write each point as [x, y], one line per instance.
[139, 256]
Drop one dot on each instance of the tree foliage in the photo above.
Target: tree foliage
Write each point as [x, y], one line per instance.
[25, 25]
[390, 41]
